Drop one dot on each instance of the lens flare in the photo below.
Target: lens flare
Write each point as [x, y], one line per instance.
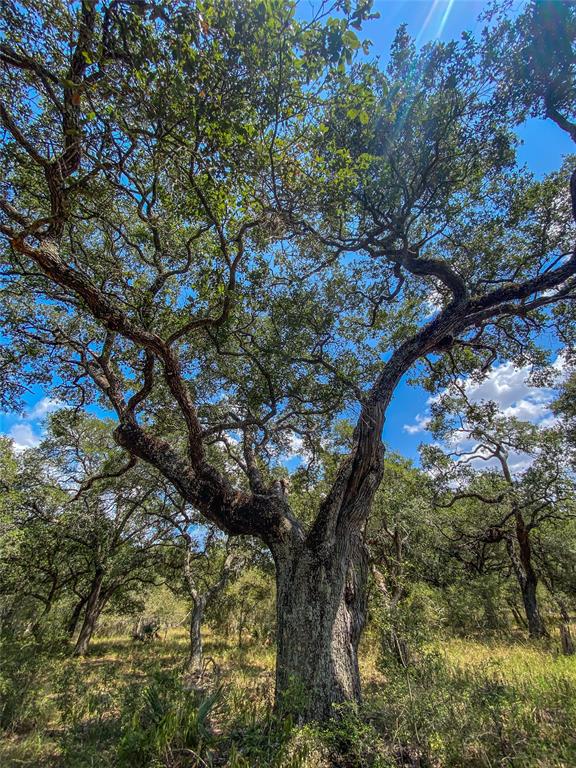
[431, 16]
[445, 18]
[427, 20]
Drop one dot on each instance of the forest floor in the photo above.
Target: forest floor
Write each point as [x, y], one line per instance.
[461, 704]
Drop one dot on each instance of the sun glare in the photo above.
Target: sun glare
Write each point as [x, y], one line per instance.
[432, 19]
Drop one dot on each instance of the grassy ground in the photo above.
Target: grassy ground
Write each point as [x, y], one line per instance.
[463, 704]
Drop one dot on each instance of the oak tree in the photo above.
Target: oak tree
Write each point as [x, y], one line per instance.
[512, 481]
[226, 226]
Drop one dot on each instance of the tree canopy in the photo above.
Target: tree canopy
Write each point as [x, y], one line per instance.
[228, 225]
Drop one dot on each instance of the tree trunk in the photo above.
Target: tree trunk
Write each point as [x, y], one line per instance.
[526, 575]
[196, 616]
[36, 627]
[536, 626]
[391, 641]
[75, 617]
[520, 620]
[94, 607]
[565, 633]
[241, 622]
[321, 605]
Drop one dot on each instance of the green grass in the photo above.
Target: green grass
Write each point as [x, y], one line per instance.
[463, 704]
[482, 704]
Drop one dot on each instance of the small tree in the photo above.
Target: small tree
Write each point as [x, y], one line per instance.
[207, 563]
[501, 505]
[394, 531]
[82, 534]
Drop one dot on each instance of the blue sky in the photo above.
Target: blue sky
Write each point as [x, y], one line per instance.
[544, 146]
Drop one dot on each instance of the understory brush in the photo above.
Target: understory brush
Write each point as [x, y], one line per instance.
[24, 666]
[446, 710]
[457, 704]
[166, 724]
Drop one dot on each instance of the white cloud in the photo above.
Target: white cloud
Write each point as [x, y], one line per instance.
[23, 436]
[527, 410]
[509, 387]
[420, 425]
[26, 432]
[42, 407]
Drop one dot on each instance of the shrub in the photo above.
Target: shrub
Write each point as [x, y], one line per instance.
[21, 665]
[166, 725]
[437, 713]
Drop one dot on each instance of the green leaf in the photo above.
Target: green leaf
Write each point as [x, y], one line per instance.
[350, 40]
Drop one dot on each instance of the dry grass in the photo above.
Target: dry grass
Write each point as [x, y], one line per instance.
[468, 703]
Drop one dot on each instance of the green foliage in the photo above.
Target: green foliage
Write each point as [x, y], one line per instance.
[476, 606]
[353, 741]
[246, 168]
[21, 674]
[246, 608]
[64, 536]
[414, 621]
[533, 57]
[445, 714]
[223, 205]
[166, 725]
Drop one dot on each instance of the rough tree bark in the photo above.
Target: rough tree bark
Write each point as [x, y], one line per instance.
[321, 609]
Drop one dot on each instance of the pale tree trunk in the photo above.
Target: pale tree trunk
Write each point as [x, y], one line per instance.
[199, 603]
[196, 616]
[392, 640]
[92, 612]
[390, 596]
[321, 609]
